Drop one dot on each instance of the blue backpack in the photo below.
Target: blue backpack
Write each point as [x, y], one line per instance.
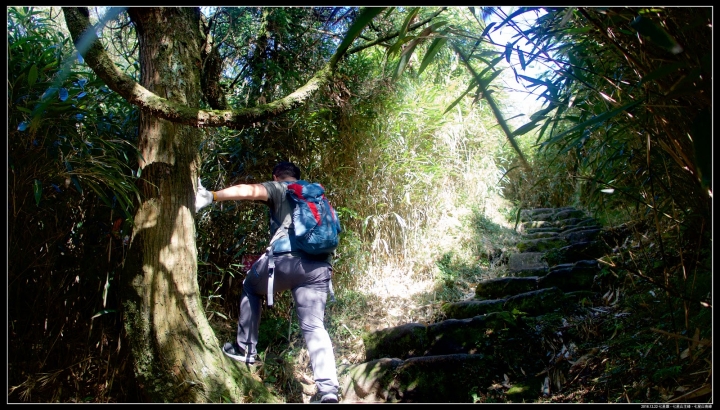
[315, 225]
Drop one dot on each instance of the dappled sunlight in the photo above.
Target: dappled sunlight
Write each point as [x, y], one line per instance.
[391, 280]
[147, 217]
[437, 130]
[400, 296]
[172, 255]
[449, 182]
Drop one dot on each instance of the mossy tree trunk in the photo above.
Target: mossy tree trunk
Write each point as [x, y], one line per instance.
[176, 354]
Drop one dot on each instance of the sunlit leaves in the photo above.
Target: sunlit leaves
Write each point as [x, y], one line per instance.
[408, 19]
[472, 86]
[409, 49]
[72, 120]
[434, 48]
[483, 89]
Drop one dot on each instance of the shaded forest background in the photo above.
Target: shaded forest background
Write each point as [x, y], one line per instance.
[423, 155]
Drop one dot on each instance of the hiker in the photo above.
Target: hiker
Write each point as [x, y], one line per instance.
[306, 276]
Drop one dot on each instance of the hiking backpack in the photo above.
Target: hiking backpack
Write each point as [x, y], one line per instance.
[315, 226]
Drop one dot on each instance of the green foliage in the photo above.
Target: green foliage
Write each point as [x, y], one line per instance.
[71, 151]
[605, 113]
[268, 52]
[69, 116]
[426, 186]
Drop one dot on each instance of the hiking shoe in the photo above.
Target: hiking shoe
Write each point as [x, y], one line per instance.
[325, 398]
[329, 398]
[235, 352]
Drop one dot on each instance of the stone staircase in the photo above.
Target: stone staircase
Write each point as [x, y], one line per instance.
[493, 342]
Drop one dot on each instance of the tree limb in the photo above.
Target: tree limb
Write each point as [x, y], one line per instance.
[86, 41]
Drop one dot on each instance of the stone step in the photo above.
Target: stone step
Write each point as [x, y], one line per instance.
[540, 235]
[453, 336]
[449, 336]
[557, 226]
[584, 250]
[567, 277]
[527, 264]
[540, 214]
[571, 276]
[541, 244]
[498, 288]
[433, 379]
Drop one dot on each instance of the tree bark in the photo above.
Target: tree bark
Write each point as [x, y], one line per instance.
[177, 357]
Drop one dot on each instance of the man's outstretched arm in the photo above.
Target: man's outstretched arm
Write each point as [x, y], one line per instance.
[240, 192]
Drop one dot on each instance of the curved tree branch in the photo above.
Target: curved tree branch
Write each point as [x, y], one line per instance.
[86, 41]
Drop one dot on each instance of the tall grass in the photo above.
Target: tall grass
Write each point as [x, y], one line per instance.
[419, 180]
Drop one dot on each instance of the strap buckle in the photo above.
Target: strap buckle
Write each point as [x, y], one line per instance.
[271, 271]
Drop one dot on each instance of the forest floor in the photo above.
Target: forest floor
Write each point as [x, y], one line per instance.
[624, 349]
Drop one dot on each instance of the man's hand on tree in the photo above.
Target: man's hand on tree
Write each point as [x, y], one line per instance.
[203, 197]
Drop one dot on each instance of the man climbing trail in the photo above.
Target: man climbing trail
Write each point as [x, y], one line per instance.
[307, 276]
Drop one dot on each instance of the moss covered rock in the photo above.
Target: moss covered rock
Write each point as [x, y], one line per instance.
[471, 308]
[500, 287]
[536, 302]
[571, 277]
[368, 382]
[402, 341]
[442, 379]
[541, 244]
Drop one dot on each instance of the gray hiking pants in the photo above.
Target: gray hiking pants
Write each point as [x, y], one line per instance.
[309, 282]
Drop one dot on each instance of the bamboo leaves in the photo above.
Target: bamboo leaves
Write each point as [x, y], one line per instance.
[32, 75]
[521, 57]
[483, 84]
[589, 124]
[702, 145]
[406, 43]
[472, 86]
[365, 17]
[408, 19]
[434, 48]
[37, 191]
[487, 28]
[657, 34]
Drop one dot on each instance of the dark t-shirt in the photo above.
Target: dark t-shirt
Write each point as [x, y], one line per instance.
[280, 209]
